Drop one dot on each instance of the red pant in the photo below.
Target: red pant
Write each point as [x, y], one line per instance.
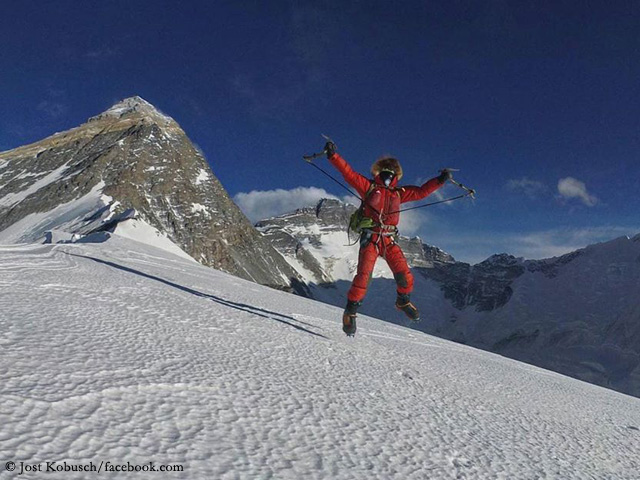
[392, 253]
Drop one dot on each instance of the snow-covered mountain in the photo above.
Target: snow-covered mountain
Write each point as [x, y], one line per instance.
[314, 240]
[133, 171]
[578, 314]
[119, 353]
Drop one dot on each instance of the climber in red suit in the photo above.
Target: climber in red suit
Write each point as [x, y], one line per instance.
[381, 198]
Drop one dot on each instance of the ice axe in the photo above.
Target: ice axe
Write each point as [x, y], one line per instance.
[471, 191]
[313, 156]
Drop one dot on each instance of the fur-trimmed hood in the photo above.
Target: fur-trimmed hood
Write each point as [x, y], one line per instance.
[387, 163]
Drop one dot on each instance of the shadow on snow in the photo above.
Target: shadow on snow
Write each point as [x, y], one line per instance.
[278, 317]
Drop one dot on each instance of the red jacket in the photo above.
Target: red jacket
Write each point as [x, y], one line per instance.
[382, 204]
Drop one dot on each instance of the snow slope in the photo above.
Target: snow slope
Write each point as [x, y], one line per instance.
[121, 352]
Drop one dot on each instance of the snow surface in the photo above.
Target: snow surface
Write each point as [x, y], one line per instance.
[121, 352]
[203, 176]
[141, 231]
[198, 207]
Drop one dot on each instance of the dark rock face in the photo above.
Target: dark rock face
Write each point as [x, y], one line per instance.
[144, 161]
[550, 267]
[334, 213]
[435, 256]
[423, 256]
[485, 286]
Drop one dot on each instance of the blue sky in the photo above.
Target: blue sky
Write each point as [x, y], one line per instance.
[536, 102]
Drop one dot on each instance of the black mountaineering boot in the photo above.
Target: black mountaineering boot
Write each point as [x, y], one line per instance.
[403, 302]
[349, 318]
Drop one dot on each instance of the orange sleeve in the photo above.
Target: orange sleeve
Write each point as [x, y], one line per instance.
[411, 193]
[353, 178]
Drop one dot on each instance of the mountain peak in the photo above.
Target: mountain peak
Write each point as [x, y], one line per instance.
[133, 157]
[133, 106]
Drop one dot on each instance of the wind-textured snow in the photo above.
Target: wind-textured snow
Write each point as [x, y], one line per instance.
[121, 352]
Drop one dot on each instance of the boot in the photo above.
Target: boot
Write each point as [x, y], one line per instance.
[349, 318]
[403, 302]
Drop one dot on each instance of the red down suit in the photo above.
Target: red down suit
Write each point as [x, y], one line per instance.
[382, 204]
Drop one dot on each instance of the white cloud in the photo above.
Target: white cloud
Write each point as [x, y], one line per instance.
[531, 188]
[411, 222]
[353, 200]
[550, 243]
[572, 188]
[262, 204]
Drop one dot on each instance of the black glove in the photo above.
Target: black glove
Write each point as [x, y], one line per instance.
[330, 148]
[445, 174]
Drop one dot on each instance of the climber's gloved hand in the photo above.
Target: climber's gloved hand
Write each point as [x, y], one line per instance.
[330, 148]
[445, 174]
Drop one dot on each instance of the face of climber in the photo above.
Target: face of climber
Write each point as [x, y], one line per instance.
[387, 176]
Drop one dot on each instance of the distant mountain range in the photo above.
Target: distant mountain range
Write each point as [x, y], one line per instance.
[132, 171]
